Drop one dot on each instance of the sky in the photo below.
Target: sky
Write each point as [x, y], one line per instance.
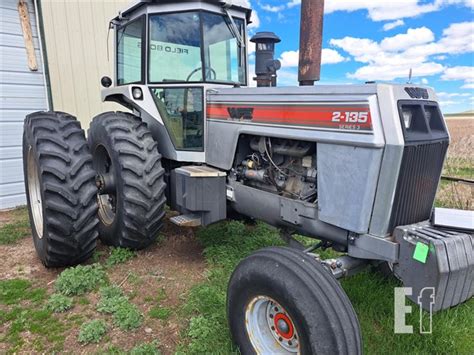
[375, 40]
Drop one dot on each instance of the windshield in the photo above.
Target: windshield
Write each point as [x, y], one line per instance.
[178, 47]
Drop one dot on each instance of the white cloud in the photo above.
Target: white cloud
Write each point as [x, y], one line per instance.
[390, 10]
[413, 37]
[287, 77]
[463, 73]
[293, 3]
[271, 8]
[448, 103]
[391, 25]
[467, 3]
[424, 81]
[329, 56]
[382, 10]
[289, 59]
[255, 20]
[452, 94]
[254, 17]
[393, 57]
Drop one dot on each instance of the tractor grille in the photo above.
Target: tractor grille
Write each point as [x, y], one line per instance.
[416, 188]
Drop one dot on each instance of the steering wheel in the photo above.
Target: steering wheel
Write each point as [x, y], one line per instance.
[208, 70]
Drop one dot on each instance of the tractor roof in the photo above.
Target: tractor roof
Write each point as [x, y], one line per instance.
[239, 5]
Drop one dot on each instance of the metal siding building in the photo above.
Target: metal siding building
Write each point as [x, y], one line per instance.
[21, 92]
[75, 38]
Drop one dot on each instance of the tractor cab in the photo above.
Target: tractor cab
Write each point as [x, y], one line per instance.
[167, 53]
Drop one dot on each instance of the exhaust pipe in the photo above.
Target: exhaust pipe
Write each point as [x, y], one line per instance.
[311, 37]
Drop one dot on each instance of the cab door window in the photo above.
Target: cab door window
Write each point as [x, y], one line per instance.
[181, 109]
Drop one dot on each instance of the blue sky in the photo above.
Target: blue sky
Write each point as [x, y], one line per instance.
[381, 40]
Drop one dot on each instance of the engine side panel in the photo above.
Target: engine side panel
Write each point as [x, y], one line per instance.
[347, 181]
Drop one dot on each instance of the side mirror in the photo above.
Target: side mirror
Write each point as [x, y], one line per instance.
[106, 81]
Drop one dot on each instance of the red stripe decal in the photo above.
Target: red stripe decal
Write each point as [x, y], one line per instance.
[338, 117]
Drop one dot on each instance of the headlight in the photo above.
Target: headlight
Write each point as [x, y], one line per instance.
[407, 117]
[137, 93]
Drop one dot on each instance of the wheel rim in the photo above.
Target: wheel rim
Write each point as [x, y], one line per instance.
[107, 201]
[34, 192]
[270, 327]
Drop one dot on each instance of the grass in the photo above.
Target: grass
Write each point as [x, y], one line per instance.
[160, 312]
[17, 229]
[16, 290]
[23, 311]
[371, 294]
[456, 194]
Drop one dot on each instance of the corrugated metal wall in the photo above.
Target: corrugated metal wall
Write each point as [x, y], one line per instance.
[75, 33]
[21, 92]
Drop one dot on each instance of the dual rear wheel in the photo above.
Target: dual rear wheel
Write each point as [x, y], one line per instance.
[111, 185]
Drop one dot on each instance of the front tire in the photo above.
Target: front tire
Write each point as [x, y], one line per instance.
[131, 180]
[282, 301]
[60, 188]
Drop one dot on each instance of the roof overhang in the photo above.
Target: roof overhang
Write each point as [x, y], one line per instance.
[238, 5]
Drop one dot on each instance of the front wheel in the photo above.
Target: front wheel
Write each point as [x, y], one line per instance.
[282, 301]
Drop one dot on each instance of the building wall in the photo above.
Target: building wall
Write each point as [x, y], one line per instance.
[21, 92]
[75, 36]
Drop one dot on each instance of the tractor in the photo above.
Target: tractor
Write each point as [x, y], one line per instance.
[354, 166]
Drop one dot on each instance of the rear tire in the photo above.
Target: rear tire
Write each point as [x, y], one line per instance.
[132, 210]
[283, 286]
[60, 188]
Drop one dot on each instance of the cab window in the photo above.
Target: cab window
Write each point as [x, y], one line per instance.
[129, 52]
[182, 112]
[223, 55]
[175, 48]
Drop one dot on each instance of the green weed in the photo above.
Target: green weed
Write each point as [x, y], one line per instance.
[111, 350]
[80, 279]
[92, 332]
[127, 316]
[119, 256]
[59, 303]
[111, 299]
[146, 349]
[96, 256]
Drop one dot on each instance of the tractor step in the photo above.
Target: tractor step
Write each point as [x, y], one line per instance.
[186, 220]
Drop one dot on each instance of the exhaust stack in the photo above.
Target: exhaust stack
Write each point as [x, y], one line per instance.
[311, 37]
